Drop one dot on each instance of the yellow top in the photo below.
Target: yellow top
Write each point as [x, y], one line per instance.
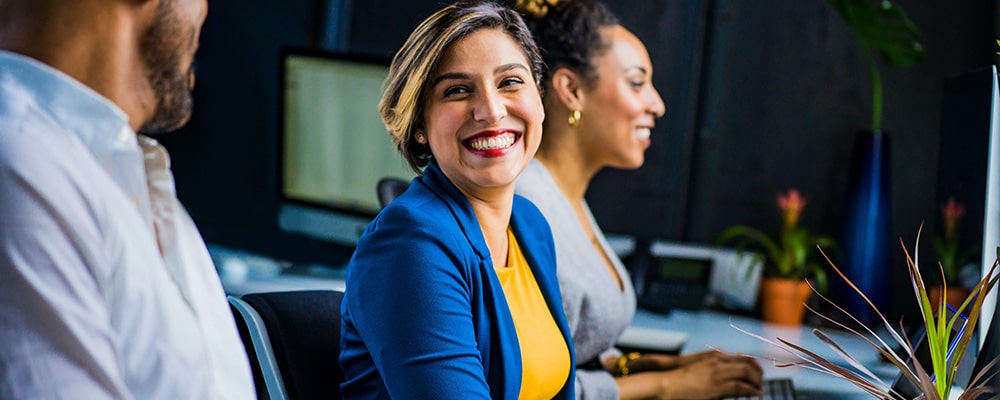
[544, 355]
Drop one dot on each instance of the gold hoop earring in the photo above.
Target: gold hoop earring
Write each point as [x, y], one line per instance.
[574, 118]
[420, 137]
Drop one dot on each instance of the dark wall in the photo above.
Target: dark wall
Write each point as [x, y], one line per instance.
[783, 90]
[653, 200]
[762, 95]
[225, 159]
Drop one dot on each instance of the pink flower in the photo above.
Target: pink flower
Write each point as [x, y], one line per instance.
[791, 204]
[951, 212]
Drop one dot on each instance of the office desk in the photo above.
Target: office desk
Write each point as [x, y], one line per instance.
[712, 330]
[703, 329]
[237, 281]
[242, 272]
[280, 283]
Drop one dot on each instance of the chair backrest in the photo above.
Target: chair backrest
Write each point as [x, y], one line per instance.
[388, 188]
[293, 341]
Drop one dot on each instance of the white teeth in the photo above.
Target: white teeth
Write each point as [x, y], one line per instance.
[642, 133]
[493, 143]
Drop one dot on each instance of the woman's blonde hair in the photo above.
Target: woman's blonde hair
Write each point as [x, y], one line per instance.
[402, 101]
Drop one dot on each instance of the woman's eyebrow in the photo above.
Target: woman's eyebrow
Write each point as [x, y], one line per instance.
[640, 68]
[508, 67]
[464, 76]
[450, 75]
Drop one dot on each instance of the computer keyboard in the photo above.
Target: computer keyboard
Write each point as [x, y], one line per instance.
[774, 389]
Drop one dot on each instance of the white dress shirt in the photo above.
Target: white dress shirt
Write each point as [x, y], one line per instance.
[106, 287]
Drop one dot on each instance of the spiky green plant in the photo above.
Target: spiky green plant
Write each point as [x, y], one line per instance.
[938, 336]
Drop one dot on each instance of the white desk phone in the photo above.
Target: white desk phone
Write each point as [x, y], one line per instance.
[703, 275]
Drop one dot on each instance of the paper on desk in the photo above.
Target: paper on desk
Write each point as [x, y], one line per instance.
[652, 339]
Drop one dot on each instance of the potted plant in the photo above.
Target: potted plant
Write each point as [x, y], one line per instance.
[787, 260]
[938, 330]
[952, 257]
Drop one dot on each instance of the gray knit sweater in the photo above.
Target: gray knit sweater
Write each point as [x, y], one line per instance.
[596, 308]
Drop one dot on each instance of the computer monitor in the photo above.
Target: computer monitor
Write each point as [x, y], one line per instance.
[969, 171]
[333, 146]
[991, 220]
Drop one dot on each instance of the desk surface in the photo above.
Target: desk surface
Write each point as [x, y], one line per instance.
[714, 330]
[239, 284]
[704, 330]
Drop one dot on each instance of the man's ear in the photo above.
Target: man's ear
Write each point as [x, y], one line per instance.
[567, 86]
[146, 10]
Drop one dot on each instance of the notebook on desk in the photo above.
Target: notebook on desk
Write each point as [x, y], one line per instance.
[649, 339]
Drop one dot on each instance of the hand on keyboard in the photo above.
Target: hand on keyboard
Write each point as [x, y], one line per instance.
[707, 375]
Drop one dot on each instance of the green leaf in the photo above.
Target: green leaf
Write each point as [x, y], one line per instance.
[819, 275]
[745, 234]
[883, 26]
[786, 257]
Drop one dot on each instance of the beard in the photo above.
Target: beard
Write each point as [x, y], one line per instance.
[162, 47]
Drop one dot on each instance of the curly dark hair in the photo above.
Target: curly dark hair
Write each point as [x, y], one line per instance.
[568, 34]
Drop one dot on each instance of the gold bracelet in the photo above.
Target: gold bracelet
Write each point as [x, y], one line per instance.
[623, 362]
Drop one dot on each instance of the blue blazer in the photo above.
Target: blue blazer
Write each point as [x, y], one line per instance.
[424, 315]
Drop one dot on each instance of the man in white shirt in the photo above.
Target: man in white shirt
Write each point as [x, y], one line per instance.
[106, 287]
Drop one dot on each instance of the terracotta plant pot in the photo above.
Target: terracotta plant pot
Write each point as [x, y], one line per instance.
[956, 295]
[783, 301]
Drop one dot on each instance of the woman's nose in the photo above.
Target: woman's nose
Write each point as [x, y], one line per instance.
[657, 107]
[490, 107]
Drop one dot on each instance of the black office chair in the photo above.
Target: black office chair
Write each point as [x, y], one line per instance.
[389, 188]
[293, 342]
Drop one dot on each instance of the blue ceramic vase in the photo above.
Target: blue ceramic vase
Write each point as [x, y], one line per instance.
[866, 240]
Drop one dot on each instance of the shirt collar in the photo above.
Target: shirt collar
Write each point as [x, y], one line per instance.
[69, 103]
[438, 182]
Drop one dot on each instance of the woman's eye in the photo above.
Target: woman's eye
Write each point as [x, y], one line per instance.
[508, 82]
[455, 90]
[638, 84]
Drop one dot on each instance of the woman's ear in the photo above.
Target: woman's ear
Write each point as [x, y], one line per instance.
[420, 134]
[567, 86]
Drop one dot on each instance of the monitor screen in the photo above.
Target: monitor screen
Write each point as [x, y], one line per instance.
[334, 146]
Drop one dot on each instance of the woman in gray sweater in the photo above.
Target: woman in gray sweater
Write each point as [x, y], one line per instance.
[600, 106]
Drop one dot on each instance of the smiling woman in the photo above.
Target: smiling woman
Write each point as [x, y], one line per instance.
[600, 107]
[451, 292]
[483, 115]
